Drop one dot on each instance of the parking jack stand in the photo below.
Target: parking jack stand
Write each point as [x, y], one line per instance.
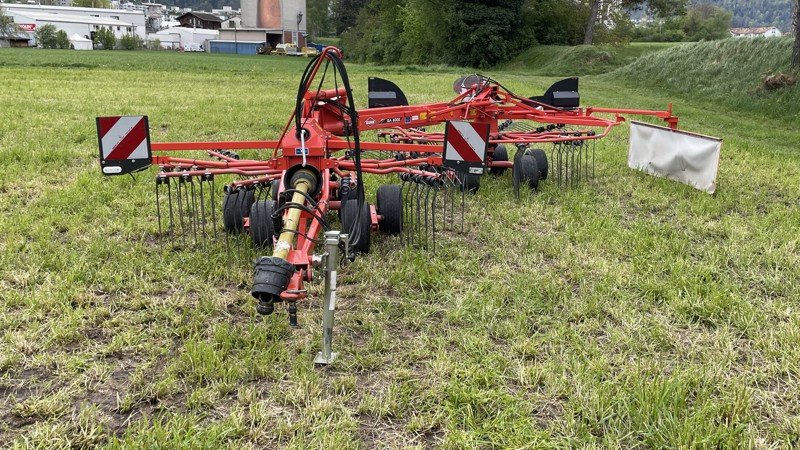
[331, 262]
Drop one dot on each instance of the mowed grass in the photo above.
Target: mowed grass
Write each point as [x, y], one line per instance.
[628, 312]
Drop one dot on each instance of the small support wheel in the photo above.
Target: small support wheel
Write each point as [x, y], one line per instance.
[500, 154]
[274, 186]
[359, 233]
[232, 219]
[261, 224]
[470, 183]
[526, 171]
[390, 208]
[541, 161]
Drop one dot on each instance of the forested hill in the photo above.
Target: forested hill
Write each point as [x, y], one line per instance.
[756, 13]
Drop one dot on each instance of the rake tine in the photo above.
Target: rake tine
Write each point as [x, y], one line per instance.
[179, 195]
[414, 211]
[433, 217]
[239, 204]
[404, 195]
[158, 208]
[202, 209]
[463, 202]
[561, 164]
[210, 178]
[193, 211]
[427, 195]
[454, 188]
[171, 215]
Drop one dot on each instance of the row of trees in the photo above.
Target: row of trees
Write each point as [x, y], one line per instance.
[48, 36]
[485, 32]
[705, 22]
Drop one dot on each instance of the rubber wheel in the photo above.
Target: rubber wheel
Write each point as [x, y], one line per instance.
[349, 217]
[541, 161]
[232, 218]
[274, 186]
[261, 225]
[247, 199]
[500, 154]
[390, 207]
[470, 183]
[529, 171]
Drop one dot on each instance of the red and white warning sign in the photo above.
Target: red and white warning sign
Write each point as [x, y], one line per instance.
[124, 144]
[465, 146]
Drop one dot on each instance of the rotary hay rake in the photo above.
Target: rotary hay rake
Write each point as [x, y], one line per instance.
[316, 167]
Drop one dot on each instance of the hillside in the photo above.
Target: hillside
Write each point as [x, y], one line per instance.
[728, 72]
[755, 13]
[557, 60]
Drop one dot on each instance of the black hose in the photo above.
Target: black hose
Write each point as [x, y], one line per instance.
[351, 112]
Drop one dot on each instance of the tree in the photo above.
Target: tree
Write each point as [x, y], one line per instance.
[796, 27]
[345, 13]
[105, 37]
[707, 22]
[662, 8]
[7, 26]
[131, 42]
[594, 8]
[62, 40]
[46, 36]
[319, 17]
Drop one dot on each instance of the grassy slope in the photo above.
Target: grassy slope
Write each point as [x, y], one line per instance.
[726, 73]
[554, 60]
[629, 311]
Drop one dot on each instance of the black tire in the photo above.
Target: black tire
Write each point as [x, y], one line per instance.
[390, 208]
[232, 219]
[541, 162]
[274, 186]
[500, 154]
[261, 225]
[470, 183]
[363, 229]
[529, 171]
[248, 197]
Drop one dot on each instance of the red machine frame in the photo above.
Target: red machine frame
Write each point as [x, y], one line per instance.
[326, 133]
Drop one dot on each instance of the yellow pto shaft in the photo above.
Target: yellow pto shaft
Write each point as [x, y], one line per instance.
[292, 220]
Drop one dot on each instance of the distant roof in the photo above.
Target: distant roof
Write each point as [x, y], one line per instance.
[69, 9]
[71, 18]
[759, 30]
[200, 31]
[202, 16]
[268, 30]
[231, 41]
[78, 38]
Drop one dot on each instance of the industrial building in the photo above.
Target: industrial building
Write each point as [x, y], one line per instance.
[189, 39]
[271, 21]
[81, 21]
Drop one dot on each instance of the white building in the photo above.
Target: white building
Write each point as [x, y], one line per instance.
[186, 38]
[756, 32]
[81, 21]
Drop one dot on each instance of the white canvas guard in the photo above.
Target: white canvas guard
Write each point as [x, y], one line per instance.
[689, 158]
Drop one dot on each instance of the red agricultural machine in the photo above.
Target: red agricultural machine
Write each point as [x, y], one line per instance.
[285, 201]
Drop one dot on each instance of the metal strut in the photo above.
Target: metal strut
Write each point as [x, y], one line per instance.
[331, 262]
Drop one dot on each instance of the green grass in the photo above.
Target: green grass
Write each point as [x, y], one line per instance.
[630, 312]
[728, 73]
[557, 60]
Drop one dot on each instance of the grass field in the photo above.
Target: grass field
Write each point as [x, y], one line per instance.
[631, 312]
